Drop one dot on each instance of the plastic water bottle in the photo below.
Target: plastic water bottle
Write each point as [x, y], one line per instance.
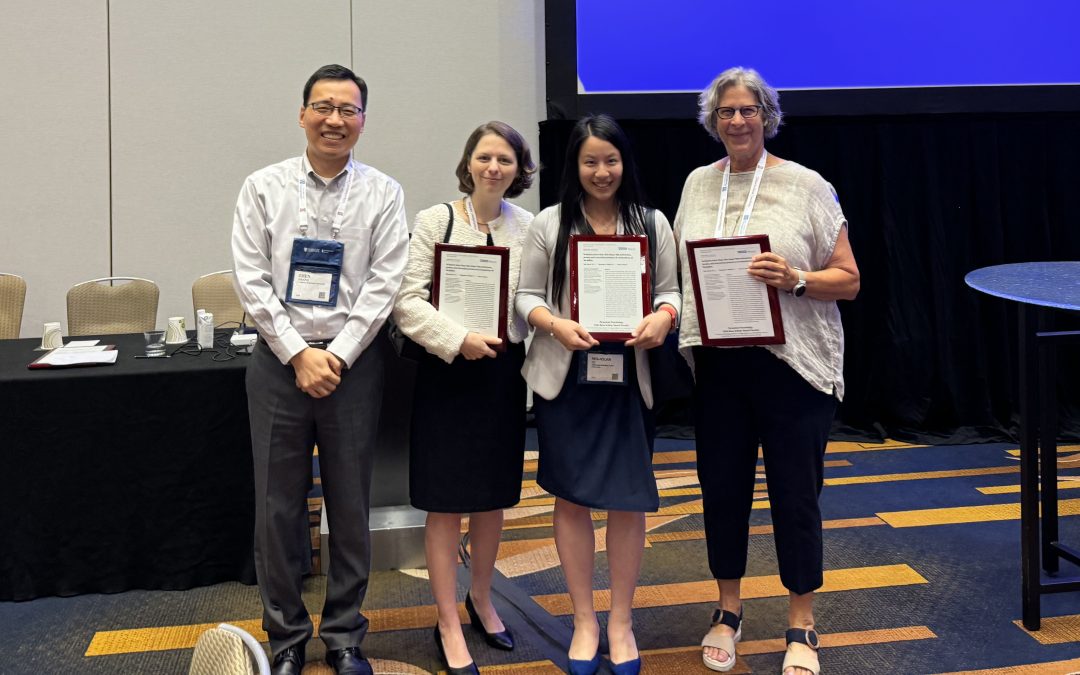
[204, 331]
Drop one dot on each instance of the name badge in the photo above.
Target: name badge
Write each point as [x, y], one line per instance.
[603, 367]
[315, 272]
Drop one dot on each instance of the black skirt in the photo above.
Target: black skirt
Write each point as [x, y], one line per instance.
[596, 443]
[467, 439]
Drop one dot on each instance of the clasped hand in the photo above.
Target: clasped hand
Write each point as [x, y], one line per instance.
[476, 346]
[318, 372]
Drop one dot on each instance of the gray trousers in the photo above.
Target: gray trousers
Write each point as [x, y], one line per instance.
[285, 425]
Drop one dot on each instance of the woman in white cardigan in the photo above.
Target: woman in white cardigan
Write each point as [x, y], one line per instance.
[596, 439]
[467, 439]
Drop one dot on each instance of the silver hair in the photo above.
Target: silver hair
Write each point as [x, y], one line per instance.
[709, 99]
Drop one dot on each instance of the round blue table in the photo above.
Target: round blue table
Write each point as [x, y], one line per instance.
[1038, 287]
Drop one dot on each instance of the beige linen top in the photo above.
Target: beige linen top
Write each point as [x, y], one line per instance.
[800, 212]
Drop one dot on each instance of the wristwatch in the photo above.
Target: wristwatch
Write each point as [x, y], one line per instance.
[800, 286]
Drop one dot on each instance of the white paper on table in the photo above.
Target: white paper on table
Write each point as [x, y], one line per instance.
[61, 357]
[470, 290]
[80, 343]
[609, 286]
[735, 304]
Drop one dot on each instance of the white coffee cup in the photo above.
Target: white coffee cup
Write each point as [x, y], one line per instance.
[176, 331]
[51, 336]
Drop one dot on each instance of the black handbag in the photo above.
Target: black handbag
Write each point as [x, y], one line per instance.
[672, 379]
[405, 347]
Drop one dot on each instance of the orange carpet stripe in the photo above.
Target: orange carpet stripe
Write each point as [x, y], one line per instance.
[1055, 630]
[184, 637]
[851, 446]
[921, 475]
[1070, 667]
[523, 546]
[968, 514]
[667, 595]
[423, 616]
[1015, 452]
[695, 535]
[530, 668]
[1015, 489]
[777, 645]
[677, 457]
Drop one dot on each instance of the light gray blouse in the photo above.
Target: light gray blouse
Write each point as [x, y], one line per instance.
[548, 361]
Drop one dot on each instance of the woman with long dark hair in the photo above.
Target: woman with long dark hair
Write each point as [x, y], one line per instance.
[596, 440]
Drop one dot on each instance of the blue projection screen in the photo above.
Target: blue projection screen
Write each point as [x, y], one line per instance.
[639, 58]
[676, 46]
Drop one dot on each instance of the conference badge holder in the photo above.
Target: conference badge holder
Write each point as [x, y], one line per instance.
[315, 271]
[603, 365]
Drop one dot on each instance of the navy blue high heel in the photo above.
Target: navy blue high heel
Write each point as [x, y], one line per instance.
[580, 667]
[631, 667]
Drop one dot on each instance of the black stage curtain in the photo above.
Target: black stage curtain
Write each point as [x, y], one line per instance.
[928, 198]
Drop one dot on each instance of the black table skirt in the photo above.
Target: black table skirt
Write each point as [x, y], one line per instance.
[131, 476]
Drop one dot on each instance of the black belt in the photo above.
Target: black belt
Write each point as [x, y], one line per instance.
[315, 344]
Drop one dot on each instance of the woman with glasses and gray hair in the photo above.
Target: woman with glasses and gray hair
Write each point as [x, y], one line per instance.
[467, 439]
[781, 396]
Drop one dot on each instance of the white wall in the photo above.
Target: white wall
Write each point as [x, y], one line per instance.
[201, 93]
[54, 180]
[437, 70]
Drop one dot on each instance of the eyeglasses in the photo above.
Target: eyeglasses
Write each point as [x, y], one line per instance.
[325, 109]
[747, 112]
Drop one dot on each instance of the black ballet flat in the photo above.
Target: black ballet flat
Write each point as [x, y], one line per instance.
[470, 669]
[503, 640]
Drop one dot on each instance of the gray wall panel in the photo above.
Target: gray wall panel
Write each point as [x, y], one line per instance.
[54, 180]
[203, 93]
[437, 70]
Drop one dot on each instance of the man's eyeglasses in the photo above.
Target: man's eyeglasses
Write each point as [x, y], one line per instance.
[747, 112]
[325, 109]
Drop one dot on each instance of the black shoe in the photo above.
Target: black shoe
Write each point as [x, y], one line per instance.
[288, 661]
[348, 661]
[470, 669]
[503, 640]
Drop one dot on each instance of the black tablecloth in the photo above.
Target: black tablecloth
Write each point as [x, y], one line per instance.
[134, 475]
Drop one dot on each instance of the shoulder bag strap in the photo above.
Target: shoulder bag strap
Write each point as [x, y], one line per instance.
[449, 225]
[650, 233]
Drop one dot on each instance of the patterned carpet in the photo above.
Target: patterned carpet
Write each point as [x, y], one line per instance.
[922, 576]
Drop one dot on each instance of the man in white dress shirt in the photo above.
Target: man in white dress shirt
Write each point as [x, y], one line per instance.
[319, 246]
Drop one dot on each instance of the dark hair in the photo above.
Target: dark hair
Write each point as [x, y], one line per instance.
[526, 167]
[630, 197]
[336, 72]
